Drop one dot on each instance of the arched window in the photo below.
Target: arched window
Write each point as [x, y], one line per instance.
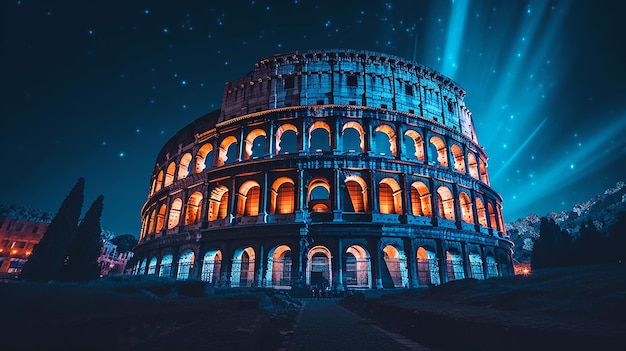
[174, 217]
[389, 196]
[385, 140]
[254, 144]
[279, 267]
[242, 272]
[151, 223]
[396, 264]
[282, 199]
[441, 150]
[459, 159]
[160, 218]
[152, 265]
[493, 224]
[473, 166]
[357, 272]
[358, 197]
[414, 145]
[185, 263]
[218, 203]
[420, 200]
[480, 210]
[166, 265]
[353, 137]
[228, 151]
[169, 175]
[467, 214]
[319, 137]
[203, 157]
[483, 172]
[319, 195]
[194, 207]
[446, 203]
[211, 266]
[286, 139]
[248, 199]
[184, 166]
[159, 181]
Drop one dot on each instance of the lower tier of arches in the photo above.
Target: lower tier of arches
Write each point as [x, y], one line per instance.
[325, 256]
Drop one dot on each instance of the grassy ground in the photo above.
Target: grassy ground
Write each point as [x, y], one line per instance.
[141, 313]
[572, 308]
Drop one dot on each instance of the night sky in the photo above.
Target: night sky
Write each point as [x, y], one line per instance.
[94, 89]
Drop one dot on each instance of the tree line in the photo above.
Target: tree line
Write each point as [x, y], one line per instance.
[70, 247]
[555, 247]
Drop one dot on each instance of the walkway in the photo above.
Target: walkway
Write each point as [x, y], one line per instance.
[323, 325]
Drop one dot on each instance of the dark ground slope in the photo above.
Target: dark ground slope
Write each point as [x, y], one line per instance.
[574, 308]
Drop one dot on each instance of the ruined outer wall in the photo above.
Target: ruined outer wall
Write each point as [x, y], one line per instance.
[347, 77]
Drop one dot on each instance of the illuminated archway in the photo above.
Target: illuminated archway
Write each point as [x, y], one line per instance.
[151, 222]
[493, 224]
[492, 266]
[286, 131]
[142, 267]
[319, 272]
[228, 151]
[441, 149]
[174, 216]
[420, 200]
[389, 196]
[166, 265]
[242, 272]
[204, 155]
[319, 136]
[427, 266]
[218, 203]
[395, 261]
[184, 166]
[483, 171]
[446, 203]
[467, 214]
[279, 263]
[185, 264]
[282, 197]
[459, 159]
[319, 195]
[357, 272]
[480, 211]
[417, 144]
[254, 144]
[169, 174]
[159, 181]
[352, 130]
[357, 189]
[454, 265]
[473, 166]
[160, 218]
[476, 265]
[211, 266]
[391, 137]
[152, 265]
[248, 199]
[194, 207]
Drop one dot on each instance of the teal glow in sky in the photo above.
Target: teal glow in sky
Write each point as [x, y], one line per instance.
[94, 90]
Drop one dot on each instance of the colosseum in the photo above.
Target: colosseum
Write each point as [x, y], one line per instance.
[337, 169]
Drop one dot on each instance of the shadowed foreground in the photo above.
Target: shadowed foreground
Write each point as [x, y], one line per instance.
[576, 308]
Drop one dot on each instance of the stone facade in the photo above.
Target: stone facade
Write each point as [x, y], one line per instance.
[337, 168]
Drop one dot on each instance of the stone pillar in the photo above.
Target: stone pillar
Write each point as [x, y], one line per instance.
[337, 210]
[271, 148]
[467, 267]
[339, 285]
[241, 142]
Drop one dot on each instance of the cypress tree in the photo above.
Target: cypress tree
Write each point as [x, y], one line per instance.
[82, 262]
[48, 256]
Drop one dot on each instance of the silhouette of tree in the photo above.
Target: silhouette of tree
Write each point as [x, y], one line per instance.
[82, 262]
[617, 240]
[48, 256]
[124, 243]
[553, 247]
[590, 246]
